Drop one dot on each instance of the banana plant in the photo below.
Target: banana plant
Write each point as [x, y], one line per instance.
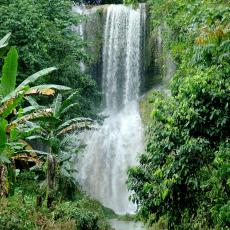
[51, 131]
[57, 124]
[11, 97]
[4, 44]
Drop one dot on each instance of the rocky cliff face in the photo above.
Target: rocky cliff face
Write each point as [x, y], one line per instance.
[157, 64]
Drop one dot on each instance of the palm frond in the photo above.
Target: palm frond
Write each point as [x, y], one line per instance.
[48, 89]
[30, 109]
[76, 126]
[57, 105]
[4, 41]
[35, 115]
[51, 86]
[35, 76]
[14, 94]
[32, 101]
[65, 110]
[69, 99]
[47, 92]
[7, 107]
[74, 120]
[34, 137]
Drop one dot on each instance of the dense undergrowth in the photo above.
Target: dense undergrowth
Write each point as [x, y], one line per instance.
[20, 212]
[184, 173]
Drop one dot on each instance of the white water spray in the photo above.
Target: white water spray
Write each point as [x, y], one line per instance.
[114, 147]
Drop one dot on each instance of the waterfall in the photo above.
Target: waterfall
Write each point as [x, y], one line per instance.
[114, 146]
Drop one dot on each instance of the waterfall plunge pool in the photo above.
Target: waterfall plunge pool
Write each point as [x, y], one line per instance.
[126, 225]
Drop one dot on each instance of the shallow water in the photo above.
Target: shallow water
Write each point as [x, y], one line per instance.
[127, 225]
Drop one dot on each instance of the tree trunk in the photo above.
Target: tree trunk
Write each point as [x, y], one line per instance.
[3, 181]
[39, 201]
[50, 180]
[51, 171]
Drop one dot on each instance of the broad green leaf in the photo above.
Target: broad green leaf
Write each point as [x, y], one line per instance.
[69, 107]
[32, 101]
[57, 105]
[3, 137]
[165, 193]
[14, 94]
[36, 137]
[7, 108]
[35, 76]
[30, 109]
[9, 72]
[36, 151]
[5, 159]
[43, 113]
[50, 86]
[4, 41]
[13, 134]
[74, 120]
[33, 105]
[79, 126]
[68, 101]
[46, 89]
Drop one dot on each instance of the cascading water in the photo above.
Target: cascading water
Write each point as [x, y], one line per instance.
[114, 146]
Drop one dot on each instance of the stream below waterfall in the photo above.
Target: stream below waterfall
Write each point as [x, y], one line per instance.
[127, 225]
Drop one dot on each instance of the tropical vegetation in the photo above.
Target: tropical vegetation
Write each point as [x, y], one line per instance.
[184, 176]
[41, 179]
[34, 181]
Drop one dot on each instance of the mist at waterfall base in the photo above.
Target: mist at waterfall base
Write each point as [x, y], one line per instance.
[114, 146]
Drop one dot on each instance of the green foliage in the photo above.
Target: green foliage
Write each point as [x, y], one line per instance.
[51, 129]
[35, 35]
[9, 72]
[111, 2]
[28, 181]
[42, 31]
[14, 215]
[216, 181]
[3, 140]
[184, 173]
[11, 123]
[35, 76]
[3, 44]
[87, 213]
[4, 41]
[19, 212]
[130, 2]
